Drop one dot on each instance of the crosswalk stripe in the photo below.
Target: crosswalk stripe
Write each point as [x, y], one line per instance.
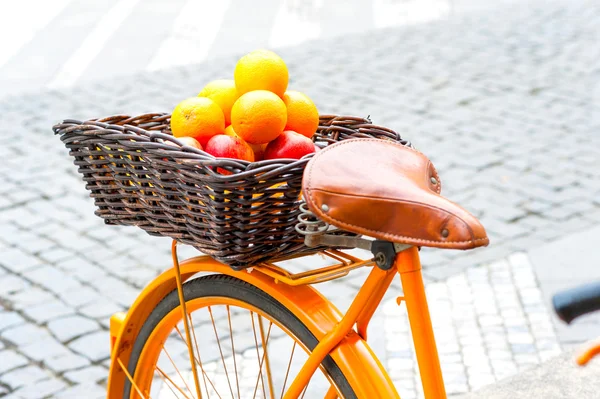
[74, 67]
[194, 31]
[16, 31]
[386, 13]
[342, 17]
[294, 25]
[134, 44]
[247, 26]
[37, 62]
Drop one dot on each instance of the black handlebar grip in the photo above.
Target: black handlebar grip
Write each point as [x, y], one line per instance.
[575, 302]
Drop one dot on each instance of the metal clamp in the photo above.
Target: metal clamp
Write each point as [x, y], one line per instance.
[384, 252]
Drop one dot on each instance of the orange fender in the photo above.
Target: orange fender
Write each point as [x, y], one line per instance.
[359, 364]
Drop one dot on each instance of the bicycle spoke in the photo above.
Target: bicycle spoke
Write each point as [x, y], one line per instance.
[261, 360]
[167, 378]
[220, 350]
[130, 378]
[199, 359]
[237, 381]
[266, 356]
[176, 369]
[287, 372]
[259, 377]
[169, 386]
[204, 374]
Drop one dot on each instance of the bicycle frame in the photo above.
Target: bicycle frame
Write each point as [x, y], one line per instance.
[408, 265]
[335, 332]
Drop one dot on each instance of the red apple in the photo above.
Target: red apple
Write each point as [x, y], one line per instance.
[223, 146]
[289, 144]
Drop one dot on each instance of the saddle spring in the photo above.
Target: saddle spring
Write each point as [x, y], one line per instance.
[308, 224]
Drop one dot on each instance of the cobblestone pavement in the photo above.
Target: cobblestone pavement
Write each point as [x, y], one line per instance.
[503, 103]
[490, 324]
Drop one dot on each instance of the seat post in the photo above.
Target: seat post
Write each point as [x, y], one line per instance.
[409, 266]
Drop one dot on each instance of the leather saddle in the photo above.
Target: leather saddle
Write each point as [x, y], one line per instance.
[382, 189]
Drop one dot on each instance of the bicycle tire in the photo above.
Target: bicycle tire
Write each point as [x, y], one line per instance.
[231, 287]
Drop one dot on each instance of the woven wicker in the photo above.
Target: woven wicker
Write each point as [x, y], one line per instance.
[239, 213]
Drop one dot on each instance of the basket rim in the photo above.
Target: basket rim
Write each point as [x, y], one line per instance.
[152, 137]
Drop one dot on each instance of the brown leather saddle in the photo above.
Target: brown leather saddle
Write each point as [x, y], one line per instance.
[387, 191]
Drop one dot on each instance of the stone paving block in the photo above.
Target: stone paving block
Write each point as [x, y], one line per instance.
[12, 283]
[118, 290]
[24, 334]
[55, 254]
[86, 390]
[11, 360]
[80, 296]
[24, 376]
[46, 311]
[42, 348]
[74, 263]
[53, 279]
[95, 346]
[87, 375]
[89, 272]
[68, 361]
[29, 297]
[102, 309]
[18, 261]
[36, 245]
[67, 328]
[41, 389]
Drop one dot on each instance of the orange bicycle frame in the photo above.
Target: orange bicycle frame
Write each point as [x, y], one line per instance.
[335, 332]
[408, 265]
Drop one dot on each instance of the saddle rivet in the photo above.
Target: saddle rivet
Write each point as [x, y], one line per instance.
[445, 233]
[434, 181]
[324, 207]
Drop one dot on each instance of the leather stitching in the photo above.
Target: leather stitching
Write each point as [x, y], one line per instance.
[339, 223]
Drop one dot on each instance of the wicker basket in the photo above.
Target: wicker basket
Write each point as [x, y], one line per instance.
[239, 213]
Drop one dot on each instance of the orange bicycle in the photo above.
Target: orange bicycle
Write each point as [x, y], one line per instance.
[576, 302]
[237, 323]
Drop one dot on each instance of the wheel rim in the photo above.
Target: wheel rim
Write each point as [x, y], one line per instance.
[229, 365]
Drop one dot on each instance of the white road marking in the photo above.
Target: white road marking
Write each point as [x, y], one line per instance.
[295, 24]
[388, 13]
[93, 44]
[21, 20]
[194, 31]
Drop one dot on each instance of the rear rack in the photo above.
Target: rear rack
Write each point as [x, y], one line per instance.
[345, 264]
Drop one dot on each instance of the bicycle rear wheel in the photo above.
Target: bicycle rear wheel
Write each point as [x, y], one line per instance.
[245, 343]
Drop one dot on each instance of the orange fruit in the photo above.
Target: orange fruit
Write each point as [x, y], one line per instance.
[230, 132]
[258, 116]
[302, 114]
[224, 93]
[261, 70]
[197, 117]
